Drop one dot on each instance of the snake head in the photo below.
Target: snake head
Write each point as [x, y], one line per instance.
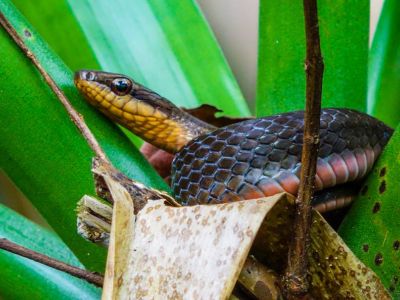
[110, 83]
[121, 98]
[144, 112]
[99, 86]
[117, 93]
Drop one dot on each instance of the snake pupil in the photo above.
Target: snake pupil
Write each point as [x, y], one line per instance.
[121, 86]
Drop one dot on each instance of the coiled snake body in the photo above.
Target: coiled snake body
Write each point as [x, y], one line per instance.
[246, 160]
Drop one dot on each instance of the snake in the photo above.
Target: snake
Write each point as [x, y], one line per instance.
[246, 160]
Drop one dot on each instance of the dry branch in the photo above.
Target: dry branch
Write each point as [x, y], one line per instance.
[90, 277]
[296, 279]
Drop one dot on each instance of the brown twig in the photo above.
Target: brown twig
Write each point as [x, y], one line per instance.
[74, 115]
[90, 277]
[296, 279]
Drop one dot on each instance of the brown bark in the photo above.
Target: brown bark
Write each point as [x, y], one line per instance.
[90, 277]
[296, 281]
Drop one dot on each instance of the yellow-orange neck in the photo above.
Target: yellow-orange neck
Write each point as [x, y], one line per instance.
[146, 114]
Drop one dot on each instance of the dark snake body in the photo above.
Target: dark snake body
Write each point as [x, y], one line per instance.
[261, 157]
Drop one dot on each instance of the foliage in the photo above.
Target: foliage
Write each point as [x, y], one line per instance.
[371, 228]
[384, 66]
[344, 45]
[25, 279]
[42, 150]
[147, 42]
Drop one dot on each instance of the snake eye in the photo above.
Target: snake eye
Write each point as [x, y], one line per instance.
[121, 86]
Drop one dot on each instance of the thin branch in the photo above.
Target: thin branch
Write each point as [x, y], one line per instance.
[74, 115]
[296, 281]
[90, 277]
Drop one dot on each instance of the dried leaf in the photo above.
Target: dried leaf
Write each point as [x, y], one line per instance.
[158, 158]
[194, 251]
[259, 281]
[335, 271]
[94, 220]
[122, 234]
[140, 193]
[199, 251]
[207, 113]
[255, 279]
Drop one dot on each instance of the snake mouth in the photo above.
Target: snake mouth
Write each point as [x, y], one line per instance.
[97, 94]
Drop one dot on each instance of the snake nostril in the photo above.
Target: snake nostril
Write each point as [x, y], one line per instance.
[89, 76]
[85, 75]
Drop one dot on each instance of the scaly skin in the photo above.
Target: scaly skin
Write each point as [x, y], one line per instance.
[246, 160]
[142, 111]
[262, 157]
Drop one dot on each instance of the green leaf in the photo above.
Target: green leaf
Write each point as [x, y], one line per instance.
[372, 228]
[25, 279]
[57, 25]
[166, 46]
[344, 44]
[42, 151]
[384, 66]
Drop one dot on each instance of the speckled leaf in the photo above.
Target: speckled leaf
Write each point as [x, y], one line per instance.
[22, 278]
[372, 227]
[193, 251]
[41, 149]
[384, 66]
[344, 44]
[173, 249]
[335, 271]
[94, 218]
